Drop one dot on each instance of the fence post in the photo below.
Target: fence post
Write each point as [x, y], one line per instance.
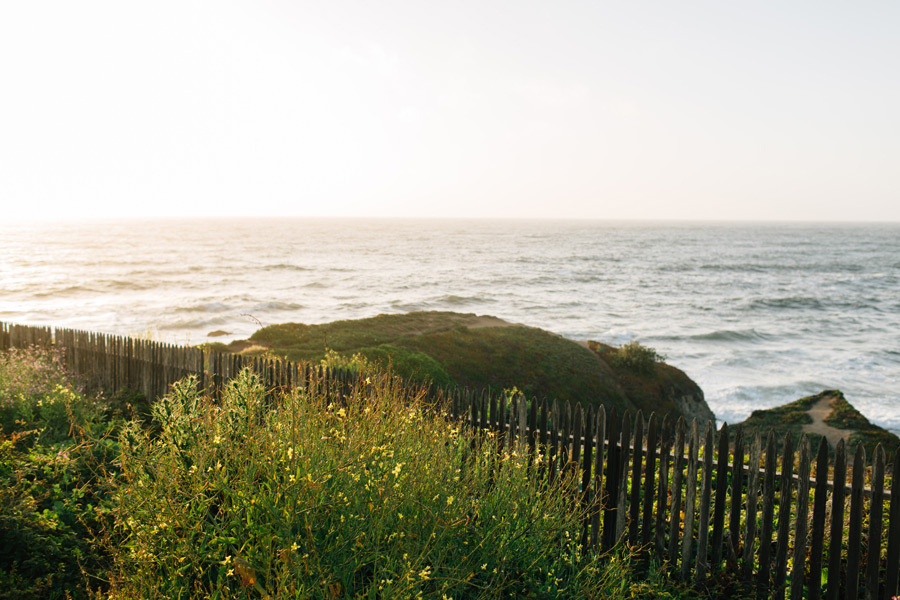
[768, 514]
[663, 493]
[721, 490]
[612, 480]
[752, 497]
[677, 482]
[600, 444]
[624, 446]
[784, 515]
[800, 529]
[690, 501]
[649, 481]
[873, 553]
[577, 427]
[637, 459]
[854, 533]
[706, 486]
[587, 462]
[553, 449]
[818, 522]
[838, 499]
[737, 481]
[893, 550]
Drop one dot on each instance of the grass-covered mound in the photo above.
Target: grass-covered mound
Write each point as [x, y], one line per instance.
[845, 416]
[480, 353]
[795, 417]
[266, 496]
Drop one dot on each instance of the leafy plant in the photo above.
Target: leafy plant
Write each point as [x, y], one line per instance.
[636, 358]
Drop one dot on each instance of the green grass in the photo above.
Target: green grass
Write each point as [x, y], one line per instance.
[845, 416]
[792, 416]
[446, 347]
[281, 497]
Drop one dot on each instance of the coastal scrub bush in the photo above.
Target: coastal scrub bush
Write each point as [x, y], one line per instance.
[374, 497]
[55, 459]
[635, 357]
[37, 393]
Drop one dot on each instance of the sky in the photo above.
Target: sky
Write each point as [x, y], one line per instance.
[484, 109]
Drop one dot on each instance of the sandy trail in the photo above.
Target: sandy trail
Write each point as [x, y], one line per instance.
[818, 412]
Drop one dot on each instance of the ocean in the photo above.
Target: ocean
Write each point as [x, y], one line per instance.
[757, 314]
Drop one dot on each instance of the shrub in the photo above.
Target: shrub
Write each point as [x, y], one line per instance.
[636, 358]
[54, 461]
[37, 393]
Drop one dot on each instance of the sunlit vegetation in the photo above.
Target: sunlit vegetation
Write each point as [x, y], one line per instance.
[306, 495]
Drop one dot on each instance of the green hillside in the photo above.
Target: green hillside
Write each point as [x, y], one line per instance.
[482, 352]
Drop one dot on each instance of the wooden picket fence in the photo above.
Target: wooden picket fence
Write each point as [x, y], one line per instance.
[778, 519]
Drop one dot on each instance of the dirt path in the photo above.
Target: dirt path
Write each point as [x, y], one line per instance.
[818, 412]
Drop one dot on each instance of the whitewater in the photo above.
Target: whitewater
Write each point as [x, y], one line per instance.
[758, 314]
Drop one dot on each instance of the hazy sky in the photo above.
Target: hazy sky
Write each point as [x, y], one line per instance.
[695, 110]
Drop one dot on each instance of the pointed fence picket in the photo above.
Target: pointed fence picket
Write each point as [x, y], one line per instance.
[705, 503]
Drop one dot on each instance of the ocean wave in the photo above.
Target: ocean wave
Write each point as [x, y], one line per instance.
[126, 284]
[278, 305]
[454, 300]
[285, 267]
[71, 290]
[182, 324]
[732, 335]
[790, 302]
[204, 307]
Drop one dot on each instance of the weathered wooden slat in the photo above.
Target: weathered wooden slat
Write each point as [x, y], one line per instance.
[854, 531]
[544, 438]
[892, 566]
[752, 497]
[553, 449]
[690, 501]
[634, 503]
[587, 432]
[503, 428]
[577, 427]
[523, 424]
[876, 514]
[599, 456]
[677, 483]
[649, 482]
[513, 423]
[532, 428]
[737, 485]
[624, 453]
[798, 570]
[612, 480]
[565, 437]
[721, 491]
[702, 568]
[484, 422]
[495, 417]
[836, 535]
[784, 516]
[662, 502]
[587, 451]
[818, 522]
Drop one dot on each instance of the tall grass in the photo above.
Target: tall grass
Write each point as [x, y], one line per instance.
[376, 496]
